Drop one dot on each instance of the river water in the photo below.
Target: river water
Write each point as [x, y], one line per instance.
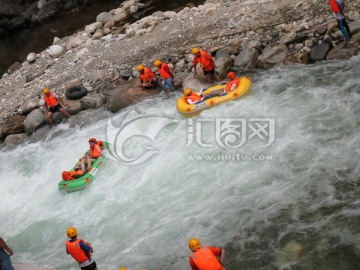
[273, 178]
[16, 47]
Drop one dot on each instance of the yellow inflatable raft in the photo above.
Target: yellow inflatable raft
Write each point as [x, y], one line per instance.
[189, 110]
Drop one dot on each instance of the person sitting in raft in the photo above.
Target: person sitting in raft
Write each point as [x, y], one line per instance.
[95, 151]
[72, 175]
[191, 97]
[52, 105]
[147, 77]
[234, 82]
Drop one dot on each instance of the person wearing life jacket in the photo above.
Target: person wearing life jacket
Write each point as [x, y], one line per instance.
[234, 82]
[95, 151]
[206, 62]
[147, 77]
[52, 105]
[167, 76]
[338, 6]
[191, 97]
[205, 258]
[72, 175]
[80, 250]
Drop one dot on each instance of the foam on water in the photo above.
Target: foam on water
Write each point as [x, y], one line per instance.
[294, 208]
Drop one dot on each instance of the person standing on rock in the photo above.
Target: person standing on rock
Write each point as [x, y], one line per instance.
[338, 7]
[167, 76]
[206, 62]
[80, 250]
[52, 105]
[5, 253]
[147, 77]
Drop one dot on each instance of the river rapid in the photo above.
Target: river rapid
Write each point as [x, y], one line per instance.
[272, 177]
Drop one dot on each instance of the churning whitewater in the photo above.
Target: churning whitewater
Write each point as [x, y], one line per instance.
[272, 177]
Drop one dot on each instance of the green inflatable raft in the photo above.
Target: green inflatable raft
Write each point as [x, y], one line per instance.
[85, 180]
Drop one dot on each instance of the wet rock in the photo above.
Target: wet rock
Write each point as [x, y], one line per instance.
[15, 139]
[298, 58]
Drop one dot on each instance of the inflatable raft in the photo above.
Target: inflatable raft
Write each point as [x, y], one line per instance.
[189, 110]
[85, 180]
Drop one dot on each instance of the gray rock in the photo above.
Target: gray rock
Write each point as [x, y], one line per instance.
[319, 52]
[33, 121]
[92, 102]
[15, 139]
[13, 125]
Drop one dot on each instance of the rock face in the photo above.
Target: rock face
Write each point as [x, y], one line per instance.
[19, 13]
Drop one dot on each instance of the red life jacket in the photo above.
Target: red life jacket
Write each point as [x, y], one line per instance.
[147, 75]
[334, 6]
[205, 60]
[230, 84]
[74, 249]
[95, 151]
[51, 100]
[204, 259]
[193, 97]
[164, 71]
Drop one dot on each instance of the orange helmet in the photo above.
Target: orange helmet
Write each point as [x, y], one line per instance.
[194, 244]
[195, 50]
[71, 232]
[92, 140]
[46, 90]
[231, 75]
[140, 67]
[157, 63]
[187, 91]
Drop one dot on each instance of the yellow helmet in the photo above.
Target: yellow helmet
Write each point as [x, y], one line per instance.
[140, 67]
[194, 244]
[46, 90]
[157, 63]
[122, 268]
[187, 91]
[71, 232]
[195, 50]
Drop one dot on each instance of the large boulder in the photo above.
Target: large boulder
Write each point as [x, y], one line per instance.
[223, 65]
[125, 95]
[92, 102]
[273, 55]
[13, 125]
[319, 52]
[15, 139]
[29, 105]
[247, 58]
[33, 121]
[345, 50]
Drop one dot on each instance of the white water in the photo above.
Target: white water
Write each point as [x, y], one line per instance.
[292, 210]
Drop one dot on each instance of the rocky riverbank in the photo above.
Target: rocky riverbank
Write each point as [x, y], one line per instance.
[244, 35]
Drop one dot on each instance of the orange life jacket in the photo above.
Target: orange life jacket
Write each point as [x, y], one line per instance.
[70, 175]
[51, 100]
[74, 249]
[205, 60]
[204, 259]
[147, 75]
[95, 151]
[230, 84]
[335, 6]
[163, 71]
[193, 97]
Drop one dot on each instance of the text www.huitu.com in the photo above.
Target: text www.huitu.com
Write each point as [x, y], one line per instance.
[228, 157]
